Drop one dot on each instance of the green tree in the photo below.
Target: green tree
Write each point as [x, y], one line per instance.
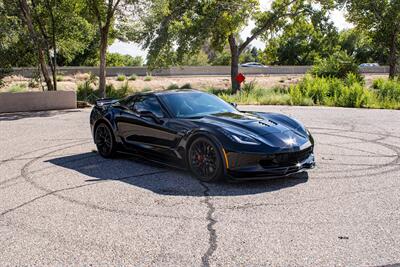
[360, 45]
[48, 32]
[27, 13]
[16, 50]
[381, 20]
[184, 26]
[119, 60]
[302, 41]
[104, 12]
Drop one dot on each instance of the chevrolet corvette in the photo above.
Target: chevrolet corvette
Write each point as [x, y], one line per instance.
[200, 132]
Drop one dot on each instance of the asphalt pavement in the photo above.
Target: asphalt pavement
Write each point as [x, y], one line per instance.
[62, 204]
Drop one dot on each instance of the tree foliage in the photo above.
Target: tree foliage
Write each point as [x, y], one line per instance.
[309, 37]
[182, 27]
[381, 20]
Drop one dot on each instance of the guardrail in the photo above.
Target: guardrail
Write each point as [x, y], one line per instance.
[190, 71]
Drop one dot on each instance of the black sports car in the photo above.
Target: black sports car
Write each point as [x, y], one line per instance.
[199, 131]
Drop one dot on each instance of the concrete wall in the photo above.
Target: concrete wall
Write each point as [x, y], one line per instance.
[33, 101]
[198, 71]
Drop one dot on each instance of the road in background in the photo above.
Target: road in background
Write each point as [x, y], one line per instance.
[62, 204]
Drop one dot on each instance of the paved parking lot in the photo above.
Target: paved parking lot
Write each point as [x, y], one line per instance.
[62, 204]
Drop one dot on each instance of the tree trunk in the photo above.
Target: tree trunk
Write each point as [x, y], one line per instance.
[234, 63]
[54, 44]
[103, 63]
[393, 57]
[25, 10]
[45, 70]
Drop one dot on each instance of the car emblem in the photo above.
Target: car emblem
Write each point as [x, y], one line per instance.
[290, 141]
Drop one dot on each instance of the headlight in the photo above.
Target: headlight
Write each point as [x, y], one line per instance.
[240, 137]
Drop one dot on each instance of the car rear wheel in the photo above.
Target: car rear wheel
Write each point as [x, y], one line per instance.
[105, 141]
[205, 160]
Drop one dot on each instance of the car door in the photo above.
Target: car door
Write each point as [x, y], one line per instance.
[146, 132]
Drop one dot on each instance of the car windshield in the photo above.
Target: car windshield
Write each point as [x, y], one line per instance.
[195, 104]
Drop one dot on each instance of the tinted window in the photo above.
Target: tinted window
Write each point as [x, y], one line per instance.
[194, 104]
[148, 103]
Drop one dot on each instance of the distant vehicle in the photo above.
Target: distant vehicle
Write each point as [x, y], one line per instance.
[253, 65]
[201, 132]
[367, 65]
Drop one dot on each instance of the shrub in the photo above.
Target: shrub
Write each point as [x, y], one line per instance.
[17, 88]
[33, 83]
[133, 77]
[354, 96]
[248, 87]
[83, 76]
[173, 86]
[348, 92]
[121, 78]
[331, 92]
[258, 96]
[121, 92]
[387, 90]
[92, 78]
[86, 92]
[148, 78]
[218, 91]
[4, 71]
[59, 78]
[186, 86]
[338, 65]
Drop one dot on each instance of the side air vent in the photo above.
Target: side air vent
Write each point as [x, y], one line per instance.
[273, 122]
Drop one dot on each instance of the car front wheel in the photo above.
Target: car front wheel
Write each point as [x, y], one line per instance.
[205, 160]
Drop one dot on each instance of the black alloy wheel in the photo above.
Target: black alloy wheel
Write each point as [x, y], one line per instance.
[104, 140]
[205, 160]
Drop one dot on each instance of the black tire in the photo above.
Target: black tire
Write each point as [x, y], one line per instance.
[205, 161]
[105, 141]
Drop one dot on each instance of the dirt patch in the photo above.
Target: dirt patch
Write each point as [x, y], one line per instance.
[70, 83]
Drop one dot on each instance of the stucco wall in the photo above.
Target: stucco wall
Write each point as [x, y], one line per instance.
[33, 101]
[192, 70]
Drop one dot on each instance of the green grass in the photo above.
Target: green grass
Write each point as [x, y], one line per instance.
[186, 86]
[148, 78]
[86, 92]
[59, 78]
[17, 88]
[173, 86]
[121, 78]
[133, 77]
[348, 92]
[310, 91]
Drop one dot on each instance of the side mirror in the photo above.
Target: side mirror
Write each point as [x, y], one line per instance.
[233, 104]
[149, 114]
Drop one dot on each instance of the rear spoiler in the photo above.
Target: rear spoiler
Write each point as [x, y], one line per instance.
[105, 101]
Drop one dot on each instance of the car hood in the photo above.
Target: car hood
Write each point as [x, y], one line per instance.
[276, 130]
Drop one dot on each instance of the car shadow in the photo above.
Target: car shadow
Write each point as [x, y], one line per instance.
[165, 180]
[34, 114]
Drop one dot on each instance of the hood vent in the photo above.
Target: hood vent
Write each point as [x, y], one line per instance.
[263, 123]
[273, 122]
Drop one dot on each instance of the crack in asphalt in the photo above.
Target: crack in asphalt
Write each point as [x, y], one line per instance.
[212, 240]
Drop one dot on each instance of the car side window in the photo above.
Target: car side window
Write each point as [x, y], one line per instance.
[148, 103]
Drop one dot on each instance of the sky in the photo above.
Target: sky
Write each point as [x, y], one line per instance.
[337, 16]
